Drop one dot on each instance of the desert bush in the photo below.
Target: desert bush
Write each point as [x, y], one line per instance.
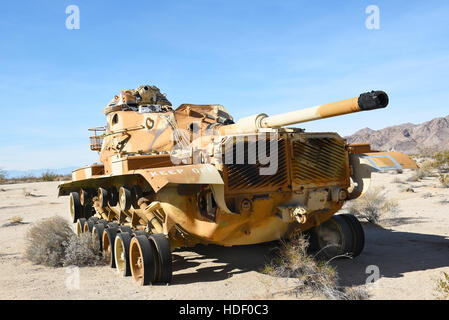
[444, 179]
[49, 176]
[314, 276]
[47, 240]
[443, 286]
[2, 175]
[82, 251]
[441, 160]
[53, 243]
[16, 219]
[398, 180]
[372, 206]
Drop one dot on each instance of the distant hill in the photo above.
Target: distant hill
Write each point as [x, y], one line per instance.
[408, 137]
[37, 172]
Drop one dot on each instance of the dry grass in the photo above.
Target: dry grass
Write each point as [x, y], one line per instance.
[51, 242]
[46, 176]
[2, 175]
[443, 286]
[49, 176]
[16, 219]
[444, 180]
[398, 180]
[82, 251]
[313, 276]
[436, 166]
[372, 206]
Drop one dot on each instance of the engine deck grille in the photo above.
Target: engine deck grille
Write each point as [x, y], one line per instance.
[247, 178]
[319, 160]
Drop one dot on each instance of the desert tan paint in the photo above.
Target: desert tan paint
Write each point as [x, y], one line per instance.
[145, 135]
[313, 113]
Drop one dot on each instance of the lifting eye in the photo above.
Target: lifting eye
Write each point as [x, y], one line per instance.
[115, 119]
[149, 123]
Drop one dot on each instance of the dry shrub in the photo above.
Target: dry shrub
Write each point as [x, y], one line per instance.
[16, 219]
[47, 240]
[444, 179]
[418, 175]
[51, 242]
[441, 160]
[373, 205]
[82, 251]
[443, 286]
[49, 176]
[314, 276]
[2, 175]
[398, 180]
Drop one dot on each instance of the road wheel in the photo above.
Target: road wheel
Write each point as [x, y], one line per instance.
[113, 196]
[136, 194]
[112, 225]
[121, 253]
[76, 209]
[102, 221]
[125, 200]
[125, 229]
[136, 233]
[97, 235]
[334, 238]
[358, 235]
[142, 260]
[103, 197]
[80, 226]
[109, 235]
[164, 258]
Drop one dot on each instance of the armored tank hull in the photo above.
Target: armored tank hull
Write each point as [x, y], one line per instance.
[176, 178]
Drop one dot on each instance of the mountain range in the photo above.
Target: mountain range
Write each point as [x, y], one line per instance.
[408, 137]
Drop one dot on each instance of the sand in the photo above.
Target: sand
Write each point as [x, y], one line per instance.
[410, 250]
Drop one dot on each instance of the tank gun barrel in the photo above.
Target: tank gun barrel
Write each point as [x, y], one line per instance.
[366, 101]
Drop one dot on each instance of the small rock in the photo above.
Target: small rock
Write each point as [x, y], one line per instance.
[409, 190]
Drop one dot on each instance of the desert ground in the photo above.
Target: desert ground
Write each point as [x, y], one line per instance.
[410, 250]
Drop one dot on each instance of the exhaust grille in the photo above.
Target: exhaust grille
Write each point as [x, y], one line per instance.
[247, 178]
[319, 160]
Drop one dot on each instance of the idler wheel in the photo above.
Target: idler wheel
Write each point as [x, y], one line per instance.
[333, 237]
[80, 226]
[103, 197]
[125, 198]
[108, 244]
[142, 260]
[358, 235]
[121, 253]
[97, 234]
[164, 258]
[76, 209]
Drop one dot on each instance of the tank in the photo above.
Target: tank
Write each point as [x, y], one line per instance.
[172, 178]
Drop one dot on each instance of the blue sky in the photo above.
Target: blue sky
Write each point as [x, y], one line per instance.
[250, 56]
